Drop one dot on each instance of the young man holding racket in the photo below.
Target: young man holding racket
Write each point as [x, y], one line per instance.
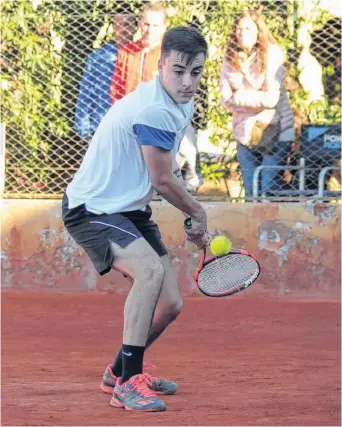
[106, 208]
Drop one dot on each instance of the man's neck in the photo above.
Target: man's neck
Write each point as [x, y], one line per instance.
[151, 46]
[164, 89]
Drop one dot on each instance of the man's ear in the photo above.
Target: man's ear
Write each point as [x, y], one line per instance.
[160, 65]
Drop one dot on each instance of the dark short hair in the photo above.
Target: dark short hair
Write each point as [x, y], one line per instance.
[186, 40]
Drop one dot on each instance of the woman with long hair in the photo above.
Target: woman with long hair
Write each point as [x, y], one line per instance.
[252, 88]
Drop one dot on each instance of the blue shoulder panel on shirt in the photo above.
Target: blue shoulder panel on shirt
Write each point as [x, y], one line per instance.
[148, 135]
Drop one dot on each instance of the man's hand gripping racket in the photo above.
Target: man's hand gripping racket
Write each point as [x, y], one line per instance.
[224, 275]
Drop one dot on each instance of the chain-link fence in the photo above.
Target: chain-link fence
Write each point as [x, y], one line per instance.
[60, 73]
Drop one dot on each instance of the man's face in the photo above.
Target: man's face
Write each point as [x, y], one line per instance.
[124, 28]
[180, 79]
[152, 27]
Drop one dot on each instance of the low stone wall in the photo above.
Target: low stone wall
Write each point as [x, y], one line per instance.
[298, 246]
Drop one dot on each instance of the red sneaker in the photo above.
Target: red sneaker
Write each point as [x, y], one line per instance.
[135, 395]
[158, 385]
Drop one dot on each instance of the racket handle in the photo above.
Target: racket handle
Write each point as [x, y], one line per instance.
[187, 223]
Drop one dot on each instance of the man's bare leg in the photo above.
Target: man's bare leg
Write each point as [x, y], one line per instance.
[169, 306]
[170, 303]
[139, 261]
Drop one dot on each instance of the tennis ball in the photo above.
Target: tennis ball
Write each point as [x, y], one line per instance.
[220, 245]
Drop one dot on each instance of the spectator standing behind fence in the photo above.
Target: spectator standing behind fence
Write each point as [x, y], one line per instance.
[94, 95]
[252, 88]
[138, 62]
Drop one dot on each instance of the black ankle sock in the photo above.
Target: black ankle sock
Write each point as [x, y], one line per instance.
[132, 361]
[117, 365]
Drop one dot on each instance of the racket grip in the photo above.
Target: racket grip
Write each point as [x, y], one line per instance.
[187, 223]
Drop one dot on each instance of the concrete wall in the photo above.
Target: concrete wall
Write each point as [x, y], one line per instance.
[298, 247]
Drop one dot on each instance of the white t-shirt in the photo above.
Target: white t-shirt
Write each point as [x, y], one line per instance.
[113, 176]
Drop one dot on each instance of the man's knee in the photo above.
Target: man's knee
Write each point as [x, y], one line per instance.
[172, 309]
[150, 275]
[139, 261]
[176, 309]
[153, 271]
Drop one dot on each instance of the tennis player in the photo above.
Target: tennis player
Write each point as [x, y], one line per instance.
[106, 209]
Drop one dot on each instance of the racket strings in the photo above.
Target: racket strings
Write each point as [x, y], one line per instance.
[228, 272]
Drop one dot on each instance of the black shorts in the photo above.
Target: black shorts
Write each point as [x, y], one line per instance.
[94, 233]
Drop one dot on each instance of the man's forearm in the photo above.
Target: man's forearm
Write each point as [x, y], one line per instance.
[179, 176]
[174, 191]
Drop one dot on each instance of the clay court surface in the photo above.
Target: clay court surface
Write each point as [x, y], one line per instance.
[238, 361]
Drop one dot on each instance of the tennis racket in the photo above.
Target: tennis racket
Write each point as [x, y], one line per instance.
[224, 275]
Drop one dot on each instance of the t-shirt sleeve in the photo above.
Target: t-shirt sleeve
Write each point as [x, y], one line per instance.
[155, 126]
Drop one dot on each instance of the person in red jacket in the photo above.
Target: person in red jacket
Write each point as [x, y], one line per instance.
[138, 61]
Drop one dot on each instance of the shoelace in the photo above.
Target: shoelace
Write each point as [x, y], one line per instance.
[139, 383]
[149, 366]
[149, 378]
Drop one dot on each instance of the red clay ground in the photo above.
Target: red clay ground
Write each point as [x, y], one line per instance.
[238, 361]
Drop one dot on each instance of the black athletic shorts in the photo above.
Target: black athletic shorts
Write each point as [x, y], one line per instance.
[94, 233]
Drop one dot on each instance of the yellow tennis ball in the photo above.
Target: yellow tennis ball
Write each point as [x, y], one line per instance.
[220, 245]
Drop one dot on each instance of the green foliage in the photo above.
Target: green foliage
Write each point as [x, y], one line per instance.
[39, 80]
[44, 47]
[30, 72]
